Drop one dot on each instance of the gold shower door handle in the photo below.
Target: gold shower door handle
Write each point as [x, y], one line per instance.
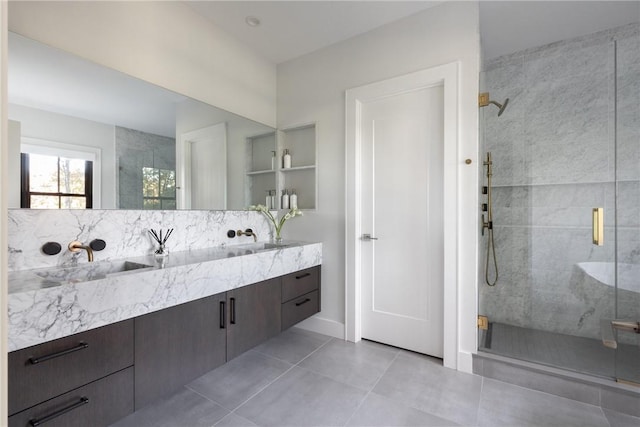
[626, 325]
[608, 328]
[598, 226]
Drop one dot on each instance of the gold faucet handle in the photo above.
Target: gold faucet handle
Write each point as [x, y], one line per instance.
[75, 246]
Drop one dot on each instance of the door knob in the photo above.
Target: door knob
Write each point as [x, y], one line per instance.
[368, 237]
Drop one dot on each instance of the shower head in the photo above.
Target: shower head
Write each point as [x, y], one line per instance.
[501, 106]
[483, 101]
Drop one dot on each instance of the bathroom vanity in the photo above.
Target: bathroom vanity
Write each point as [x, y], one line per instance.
[177, 321]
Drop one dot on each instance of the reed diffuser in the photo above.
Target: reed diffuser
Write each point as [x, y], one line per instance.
[162, 250]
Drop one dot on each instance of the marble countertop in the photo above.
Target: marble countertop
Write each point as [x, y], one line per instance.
[45, 304]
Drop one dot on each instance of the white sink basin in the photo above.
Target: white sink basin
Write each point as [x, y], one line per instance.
[90, 271]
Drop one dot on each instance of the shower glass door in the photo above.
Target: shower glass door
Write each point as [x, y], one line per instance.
[567, 143]
[627, 363]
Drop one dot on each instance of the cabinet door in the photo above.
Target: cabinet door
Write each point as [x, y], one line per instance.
[254, 315]
[176, 345]
[300, 308]
[96, 404]
[300, 283]
[47, 370]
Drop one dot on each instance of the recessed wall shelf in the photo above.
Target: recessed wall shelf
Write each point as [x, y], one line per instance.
[300, 141]
[260, 177]
[297, 168]
[260, 172]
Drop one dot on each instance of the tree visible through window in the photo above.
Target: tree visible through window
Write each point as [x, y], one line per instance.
[51, 182]
[158, 188]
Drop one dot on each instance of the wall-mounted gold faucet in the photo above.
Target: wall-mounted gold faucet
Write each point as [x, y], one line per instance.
[247, 232]
[76, 246]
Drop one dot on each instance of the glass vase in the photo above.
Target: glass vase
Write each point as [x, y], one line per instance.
[161, 252]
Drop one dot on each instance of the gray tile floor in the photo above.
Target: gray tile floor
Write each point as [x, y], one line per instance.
[300, 378]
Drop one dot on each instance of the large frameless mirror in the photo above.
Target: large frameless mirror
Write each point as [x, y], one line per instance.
[85, 136]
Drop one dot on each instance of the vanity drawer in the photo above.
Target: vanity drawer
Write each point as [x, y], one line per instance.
[47, 370]
[300, 308]
[300, 283]
[99, 403]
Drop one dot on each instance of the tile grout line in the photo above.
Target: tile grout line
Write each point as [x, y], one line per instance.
[341, 381]
[209, 399]
[370, 391]
[286, 361]
[278, 377]
[314, 351]
[417, 408]
[605, 416]
[480, 401]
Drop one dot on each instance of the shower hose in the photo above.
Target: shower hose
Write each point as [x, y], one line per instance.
[491, 251]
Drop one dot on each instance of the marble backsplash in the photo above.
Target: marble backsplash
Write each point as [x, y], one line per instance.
[124, 231]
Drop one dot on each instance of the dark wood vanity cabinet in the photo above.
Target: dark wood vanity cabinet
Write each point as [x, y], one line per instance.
[253, 316]
[177, 345]
[96, 377]
[300, 296]
[53, 369]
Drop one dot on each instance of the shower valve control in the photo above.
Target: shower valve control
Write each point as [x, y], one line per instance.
[486, 225]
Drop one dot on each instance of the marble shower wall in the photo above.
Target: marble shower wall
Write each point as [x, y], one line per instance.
[125, 232]
[571, 129]
[136, 150]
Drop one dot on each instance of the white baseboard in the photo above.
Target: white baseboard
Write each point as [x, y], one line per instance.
[465, 362]
[323, 326]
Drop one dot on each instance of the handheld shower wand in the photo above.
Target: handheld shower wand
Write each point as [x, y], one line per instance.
[488, 225]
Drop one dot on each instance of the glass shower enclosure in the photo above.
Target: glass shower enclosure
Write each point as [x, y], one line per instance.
[565, 204]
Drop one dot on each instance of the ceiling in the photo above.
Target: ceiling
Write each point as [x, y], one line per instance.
[290, 29]
[511, 26]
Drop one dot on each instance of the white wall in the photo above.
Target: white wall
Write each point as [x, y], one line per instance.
[55, 127]
[165, 43]
[312, 89]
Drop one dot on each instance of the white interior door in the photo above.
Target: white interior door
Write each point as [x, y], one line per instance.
[402, 158]
[205, 168]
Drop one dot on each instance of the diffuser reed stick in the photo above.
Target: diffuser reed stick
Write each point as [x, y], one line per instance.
[161, 251]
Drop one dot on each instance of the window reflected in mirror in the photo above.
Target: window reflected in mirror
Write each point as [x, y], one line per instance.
[158, 188]
[52, 182]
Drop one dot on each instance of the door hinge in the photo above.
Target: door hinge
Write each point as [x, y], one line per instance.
[627, 382]
[483, 322]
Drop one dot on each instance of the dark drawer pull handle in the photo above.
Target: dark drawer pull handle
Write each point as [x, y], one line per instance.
[36, 360]
[303, 275]
[223, 314]
[38, 421]
[298, 304]
[232, 308]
